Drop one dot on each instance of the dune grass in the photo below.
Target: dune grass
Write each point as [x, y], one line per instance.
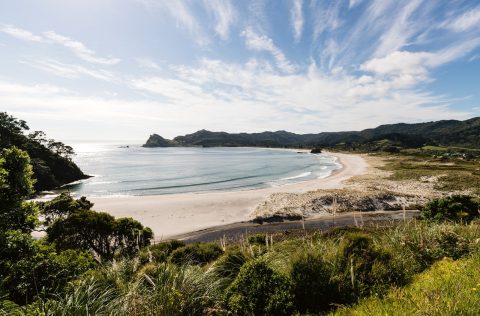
[447, 288]
[395, 270]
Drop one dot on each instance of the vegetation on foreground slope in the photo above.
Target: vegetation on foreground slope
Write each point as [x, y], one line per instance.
[94, 264]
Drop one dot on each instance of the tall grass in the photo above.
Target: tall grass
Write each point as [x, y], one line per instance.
[447, 288]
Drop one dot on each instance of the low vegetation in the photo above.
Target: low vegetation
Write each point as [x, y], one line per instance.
[93, 264]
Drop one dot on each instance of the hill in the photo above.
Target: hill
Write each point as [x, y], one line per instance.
[51, 162]
[384, 137]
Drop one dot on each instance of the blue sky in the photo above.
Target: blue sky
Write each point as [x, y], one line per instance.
[122, 69]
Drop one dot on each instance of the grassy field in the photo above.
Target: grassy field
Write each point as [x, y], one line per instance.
[451, 174]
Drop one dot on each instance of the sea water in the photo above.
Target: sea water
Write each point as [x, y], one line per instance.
[120, 170]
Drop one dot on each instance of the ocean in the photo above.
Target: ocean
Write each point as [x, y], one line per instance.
[119, 170]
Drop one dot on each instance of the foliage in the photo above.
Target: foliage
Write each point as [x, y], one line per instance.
[257, 239]
[259, 290]
[313, 289]
[447, 288]
[160, 252]
[453, 208]
[62, 206]
[99, 232]
[32, 268]
[229, 264]
[363, 268]
[199, 253]
[51, 160]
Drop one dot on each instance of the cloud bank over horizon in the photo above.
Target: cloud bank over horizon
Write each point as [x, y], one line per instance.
[125, 69]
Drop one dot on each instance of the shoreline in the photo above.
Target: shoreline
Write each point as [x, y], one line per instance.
[175, 214]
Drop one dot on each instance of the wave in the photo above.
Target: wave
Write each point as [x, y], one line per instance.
[301, 175]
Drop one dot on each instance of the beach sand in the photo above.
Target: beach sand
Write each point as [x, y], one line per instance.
[174, 214]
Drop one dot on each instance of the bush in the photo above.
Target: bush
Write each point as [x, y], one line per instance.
[257, 239]
[229, 264]
[259, 290]
[160, 252]
[196, 254]
[311, 283]
[363, 268]
[454, 208]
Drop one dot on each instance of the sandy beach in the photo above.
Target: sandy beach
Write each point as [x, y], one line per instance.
[174, 214]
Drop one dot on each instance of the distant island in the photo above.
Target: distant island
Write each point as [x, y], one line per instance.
[391, 137]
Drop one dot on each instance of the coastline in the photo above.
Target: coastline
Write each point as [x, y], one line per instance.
[175, 214]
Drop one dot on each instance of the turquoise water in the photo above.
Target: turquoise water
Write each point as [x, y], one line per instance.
[153, 171]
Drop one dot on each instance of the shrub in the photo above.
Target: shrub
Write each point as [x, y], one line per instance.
[257, 239]
[311, 283]
[363, 268]
[453, 208]
[229, 264]
[160, 252]
[259, 290]
[196, 254]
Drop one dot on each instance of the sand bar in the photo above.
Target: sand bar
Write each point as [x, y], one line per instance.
[174, 214]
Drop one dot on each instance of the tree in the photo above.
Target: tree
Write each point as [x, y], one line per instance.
[99, 232]
[62, 206]
[16, 183]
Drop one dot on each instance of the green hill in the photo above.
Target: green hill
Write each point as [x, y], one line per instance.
[439, 133]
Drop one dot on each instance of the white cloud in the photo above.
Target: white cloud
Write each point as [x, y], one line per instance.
[183, 16]
[399, 62]
[147, 63]
[296, 16]
[224, 14]
[80, 49]
[259, 42]
[70, 71]
[465, 21]
[353, 3]
[401, 29]
[20, 33]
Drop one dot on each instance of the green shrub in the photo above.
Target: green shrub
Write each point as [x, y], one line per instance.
[229, 264]
[363, 269]
[259, 290]
[257, 239]
[196, 254]
[453, 208]
[312, 287]
[160, 252]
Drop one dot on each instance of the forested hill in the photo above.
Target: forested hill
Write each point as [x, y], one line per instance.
[440, 133]
[51, 160]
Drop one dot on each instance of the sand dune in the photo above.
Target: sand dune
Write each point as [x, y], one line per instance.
[174, 214]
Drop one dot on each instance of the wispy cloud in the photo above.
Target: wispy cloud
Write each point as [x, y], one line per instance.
[147, 63]
[259, 42]
[465, 21]
[19, 33]
[296, 16]
[79, 49]
[70, 71]
[184, 18]
[353, 3]
[224, 14]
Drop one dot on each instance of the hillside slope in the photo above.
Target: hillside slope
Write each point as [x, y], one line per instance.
[440, 133]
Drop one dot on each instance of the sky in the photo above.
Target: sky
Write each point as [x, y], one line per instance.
[124, 69]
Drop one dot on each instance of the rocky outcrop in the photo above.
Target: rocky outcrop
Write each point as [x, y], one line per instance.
[156, 140]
